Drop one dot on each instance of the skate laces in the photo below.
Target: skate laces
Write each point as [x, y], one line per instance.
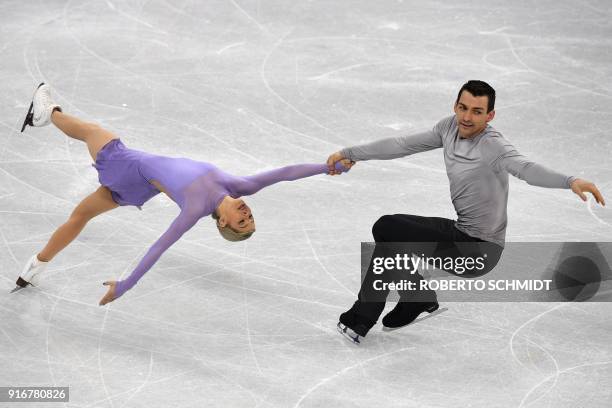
[46, 97]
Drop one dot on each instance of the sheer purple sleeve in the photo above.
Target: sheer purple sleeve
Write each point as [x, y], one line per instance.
[181, 224]
[251, 184]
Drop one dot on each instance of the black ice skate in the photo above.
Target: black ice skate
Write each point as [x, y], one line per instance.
[405, 313]
[348, 333]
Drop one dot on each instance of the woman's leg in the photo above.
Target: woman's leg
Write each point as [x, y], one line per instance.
[95, 204]
[92, 134]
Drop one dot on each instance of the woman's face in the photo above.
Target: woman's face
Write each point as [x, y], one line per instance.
[239, 217]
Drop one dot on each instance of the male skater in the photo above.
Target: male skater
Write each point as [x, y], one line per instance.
[478, 159]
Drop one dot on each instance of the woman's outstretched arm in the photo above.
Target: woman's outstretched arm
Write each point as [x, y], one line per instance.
[251, 184]
[181, 224]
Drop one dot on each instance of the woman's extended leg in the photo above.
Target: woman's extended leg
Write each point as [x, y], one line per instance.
[92, 134]
[95, 204]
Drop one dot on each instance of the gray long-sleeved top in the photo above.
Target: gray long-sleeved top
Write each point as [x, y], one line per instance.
[477, 170]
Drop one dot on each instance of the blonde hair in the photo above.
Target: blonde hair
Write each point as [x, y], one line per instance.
[229, 233]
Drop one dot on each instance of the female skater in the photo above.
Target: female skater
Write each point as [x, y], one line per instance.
[132, 177]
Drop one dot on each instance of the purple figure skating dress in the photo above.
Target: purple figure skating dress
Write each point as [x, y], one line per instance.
[197, 187]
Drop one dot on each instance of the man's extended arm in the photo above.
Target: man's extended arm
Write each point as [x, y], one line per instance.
[503, 156]
[390, 148]
[394, 147]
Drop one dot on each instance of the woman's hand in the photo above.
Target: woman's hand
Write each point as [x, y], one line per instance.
[110, 294]
[337, 157]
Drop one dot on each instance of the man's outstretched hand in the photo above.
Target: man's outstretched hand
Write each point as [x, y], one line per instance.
[337, 157]
[580, 186]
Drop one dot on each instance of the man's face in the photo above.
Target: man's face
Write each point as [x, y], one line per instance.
[471, 113]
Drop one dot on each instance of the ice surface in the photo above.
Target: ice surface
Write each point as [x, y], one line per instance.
[250, 85]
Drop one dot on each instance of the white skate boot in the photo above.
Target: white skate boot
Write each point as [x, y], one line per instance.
[41, 108]
[31, 273]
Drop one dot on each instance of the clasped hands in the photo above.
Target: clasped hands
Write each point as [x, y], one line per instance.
[335, 158]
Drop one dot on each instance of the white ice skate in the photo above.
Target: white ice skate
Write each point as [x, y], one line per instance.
[348, 333]
[41, 108]
[31, 273]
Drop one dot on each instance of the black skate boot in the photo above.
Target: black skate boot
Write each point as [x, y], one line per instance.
[405, 313]
[351, 328]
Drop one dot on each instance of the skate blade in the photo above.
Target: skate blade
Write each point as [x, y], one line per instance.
[343, 330]
[420, 319]
[30, 115]
[28, 119]
[21, 284]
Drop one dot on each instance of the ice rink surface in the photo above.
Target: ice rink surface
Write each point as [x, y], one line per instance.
[253, 85]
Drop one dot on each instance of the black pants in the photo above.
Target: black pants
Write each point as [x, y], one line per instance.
[408, 228]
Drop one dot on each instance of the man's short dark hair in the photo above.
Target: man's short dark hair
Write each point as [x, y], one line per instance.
[479, 88]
